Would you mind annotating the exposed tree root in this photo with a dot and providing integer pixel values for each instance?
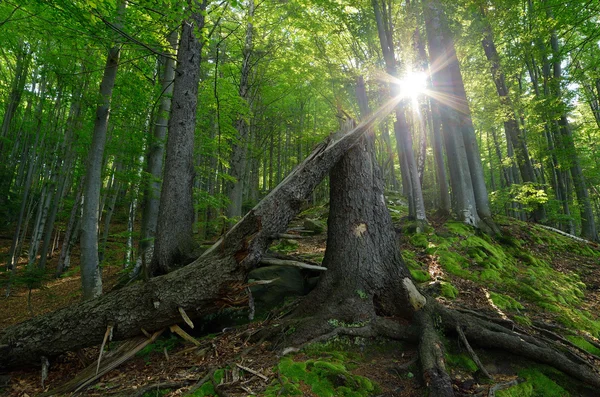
(425, 328)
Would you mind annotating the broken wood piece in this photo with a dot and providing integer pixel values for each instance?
(284, 262)
(146, 333)
(185, 317)
(45, 367)
(253, 372)
(107, 334)
(113, 359)
(177, 329)
(472, 353)
(290, 236)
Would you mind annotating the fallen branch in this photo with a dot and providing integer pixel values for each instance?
(472, 353)
(579, 239)
(283, 262)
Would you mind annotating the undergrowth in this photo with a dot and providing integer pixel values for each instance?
(517, 276)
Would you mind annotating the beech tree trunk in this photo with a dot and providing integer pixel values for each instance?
(469, 194)
(91, 278)
(411, 184)
(513, 132)
(239, 150)
(154, 159)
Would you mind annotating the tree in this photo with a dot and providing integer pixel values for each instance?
(469, 193)
(174, 242)
(91, 277)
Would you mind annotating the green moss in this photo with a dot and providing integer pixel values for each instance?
(522, 320)
(462, 361)
(454, 263)
(285, 246)
(459, 228)
(584, 344)
(537, 385)
(419, 240)
(448, 290)
(326, 378)
(420, 276)
(505, 302)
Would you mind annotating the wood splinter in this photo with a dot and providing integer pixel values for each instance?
(177, 329)
(185, 317)
(107, 335)
(472, 353)
(253, 372)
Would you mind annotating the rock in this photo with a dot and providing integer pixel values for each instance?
(314, 225)
(289, 281)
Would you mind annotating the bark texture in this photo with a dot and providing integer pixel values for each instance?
(174, 243)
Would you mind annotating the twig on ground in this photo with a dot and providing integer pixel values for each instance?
(472, 353)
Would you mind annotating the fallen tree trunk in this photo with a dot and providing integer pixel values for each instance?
(213, 281)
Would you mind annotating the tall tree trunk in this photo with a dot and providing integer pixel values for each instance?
(469, 193)
(13, 252)
(239, 150)
(174, 231)
(154, 159)
(91, 278)
(410, 176)
(588, 224)
(513, 132)
(440, 166)
(16, 91)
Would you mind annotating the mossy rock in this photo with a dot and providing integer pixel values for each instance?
(314, 225)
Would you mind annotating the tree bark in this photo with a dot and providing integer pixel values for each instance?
(174, 242)
(91, 278)
(154, 159)
(239, 149)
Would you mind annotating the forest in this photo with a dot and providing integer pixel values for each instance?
(300, 197)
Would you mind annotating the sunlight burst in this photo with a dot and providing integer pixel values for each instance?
(412, 85)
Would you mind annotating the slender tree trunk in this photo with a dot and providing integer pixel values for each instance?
(588, 225)
(91, 279)
(440, 166)
(410, 176)
(16, 92)
(13, 252)
(154, 159)
(514, 133)
(239, 150)
(469, 193)
(174, 232)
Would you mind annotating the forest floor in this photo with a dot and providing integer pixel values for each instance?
(540, 281)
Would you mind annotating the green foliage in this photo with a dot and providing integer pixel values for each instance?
(158, 347)
(285, 246)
